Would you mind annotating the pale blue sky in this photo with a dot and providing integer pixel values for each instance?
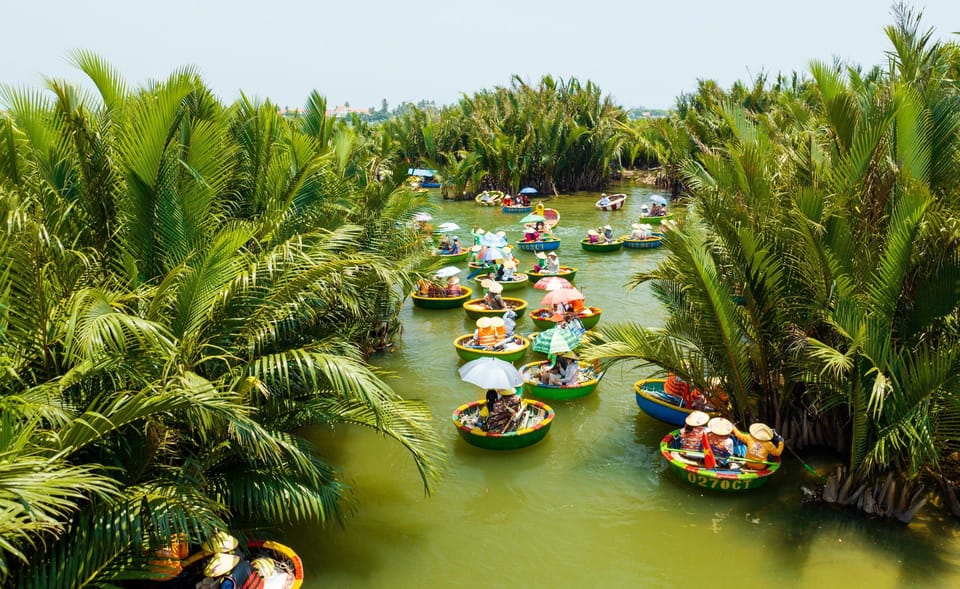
(642, 53)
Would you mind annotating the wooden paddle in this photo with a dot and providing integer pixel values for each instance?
(699, 454)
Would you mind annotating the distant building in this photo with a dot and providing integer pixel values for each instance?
(342, 111)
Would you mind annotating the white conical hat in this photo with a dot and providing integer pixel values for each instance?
(496, 288)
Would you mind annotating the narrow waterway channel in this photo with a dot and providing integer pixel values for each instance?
(592, 505)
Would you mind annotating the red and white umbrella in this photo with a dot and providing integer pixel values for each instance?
(550, 283)
(561, 295)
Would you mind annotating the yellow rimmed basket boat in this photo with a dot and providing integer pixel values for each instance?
(684, 465)
(519, 281)
(476, 309)
(442, 302)
(511, 352)
(532, 387)
(489, 198)
(534, 424)
(612, 246)
(565, 272)
(543, 318)
(450, 258)
(287, 567)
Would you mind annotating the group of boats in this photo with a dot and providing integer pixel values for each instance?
(654, 397)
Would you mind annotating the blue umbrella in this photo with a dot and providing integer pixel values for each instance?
(658, 199)
(528, 190)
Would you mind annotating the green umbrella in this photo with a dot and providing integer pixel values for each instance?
(533, 218)
(556, 340)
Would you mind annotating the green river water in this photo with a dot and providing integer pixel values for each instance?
(592, 505)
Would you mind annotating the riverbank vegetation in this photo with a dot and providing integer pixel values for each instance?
(815, 283)
(185, 285)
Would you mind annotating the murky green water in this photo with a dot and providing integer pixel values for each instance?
(592, 505)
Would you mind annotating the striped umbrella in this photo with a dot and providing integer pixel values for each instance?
(556, 340)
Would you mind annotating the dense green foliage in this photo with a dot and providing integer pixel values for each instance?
(555, 136)
(816, 279)
(184, 285)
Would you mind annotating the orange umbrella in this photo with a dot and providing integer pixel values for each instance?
(561, 295)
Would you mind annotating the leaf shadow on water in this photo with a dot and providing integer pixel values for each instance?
(918, 548)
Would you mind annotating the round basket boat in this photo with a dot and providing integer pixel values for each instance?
(535, 422)
(476, 309)
(533, 388)
(519, 281)
(493, 198)
(517, 208)
(615, 202)
(450, 258)
(589, 317)
(643, 244)
(442, 302)
(551, 217)
(544, 245)
(601, 247)
(514, 353)
(685, 466)
(659, 404)
(659, 219)
(565, 272)
(287, 572)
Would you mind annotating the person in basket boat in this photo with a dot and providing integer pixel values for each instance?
(508, 269)
(638, 233)
(541, 228)
(593, 236)
(453, 287)
(539, 209)
(510, 322)
(604, 199)
(507, 201)
(608, 234)
(444, 247)
(225, 569)
(553, 263)
(493, 299)
(505, 412)
(541, 266)
(691, 435)
(455, 245)
(530, 234)
(721, 442)
(762, 441)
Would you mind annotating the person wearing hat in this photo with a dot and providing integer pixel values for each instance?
(455, 245)
(637, 232)
(593, 236)
(718, 435)
(569, 370)
(493, 299)
(553, 263)
(508, 267)
(229, 569)
(607, 233)
(604, 199)
(504, 412)
(762, 441)
(453, 287)
(691, 434)
(539, 267)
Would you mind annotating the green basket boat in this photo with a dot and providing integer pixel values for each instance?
(520, 281)
(533, 388)
(730, 481)
(589, 317)
(476, 309)
(565, 272)
(442, 302)
(450, 258)
(601, 247)
(535, 422)
(513, 354)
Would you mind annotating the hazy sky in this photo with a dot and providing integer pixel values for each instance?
(641, 53)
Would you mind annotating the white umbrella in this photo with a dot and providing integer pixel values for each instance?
(490, 254)
(446, 227)
(447, 272)
(491, 373)
(658, 199)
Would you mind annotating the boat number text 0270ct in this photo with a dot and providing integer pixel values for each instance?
(702, 481)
